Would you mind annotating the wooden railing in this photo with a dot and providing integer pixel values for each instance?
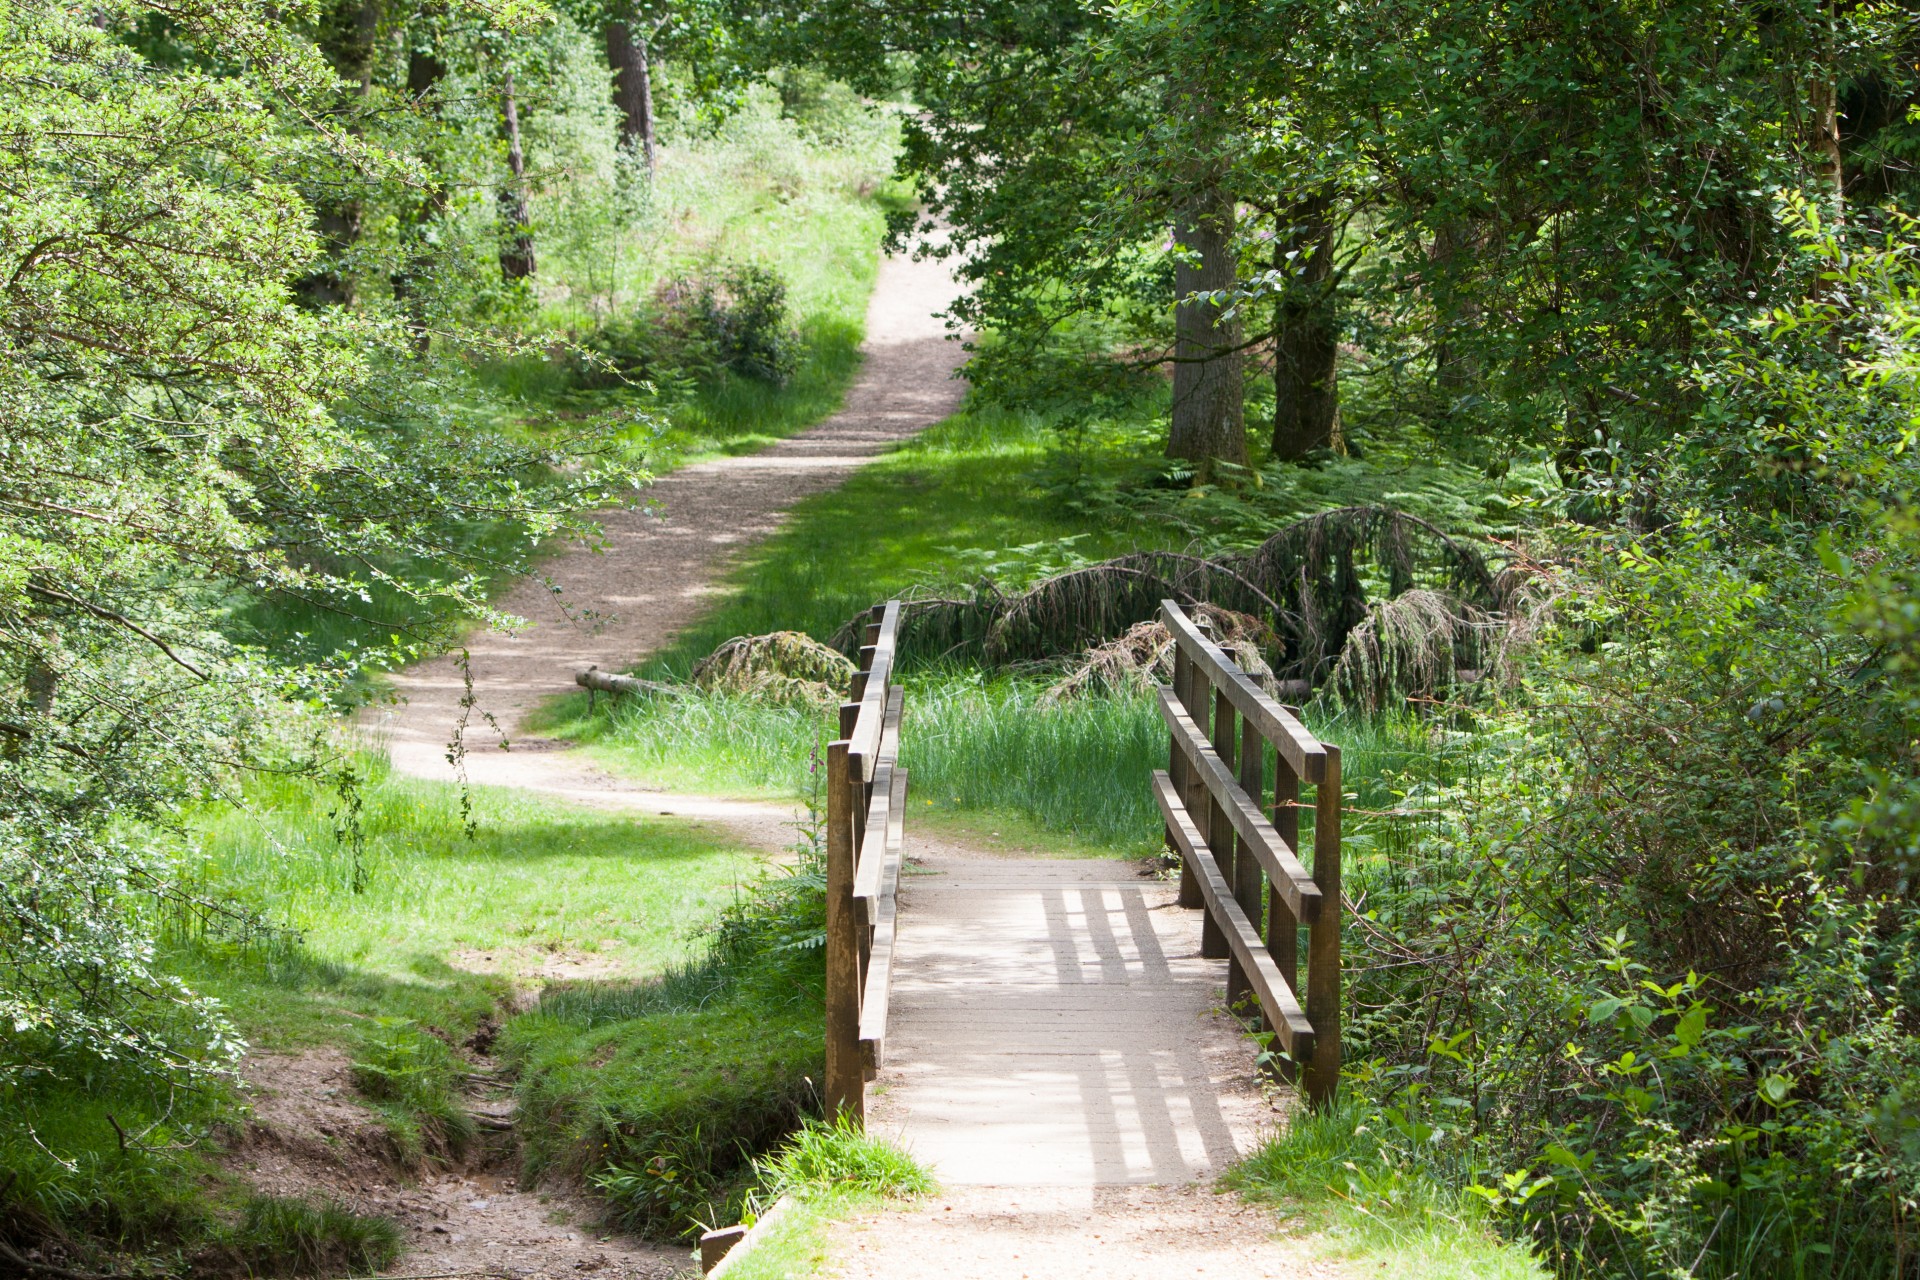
(866, 805)
(1239, 865)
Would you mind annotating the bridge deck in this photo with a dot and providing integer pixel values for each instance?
(1053, 1024)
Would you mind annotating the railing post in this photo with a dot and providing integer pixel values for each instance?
(846, 1091)
(1179, 773)
(1198, 802)
(1221, 837)
(1283, 931)
(1323, 939)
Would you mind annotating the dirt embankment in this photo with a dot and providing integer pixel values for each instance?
(310, 1136)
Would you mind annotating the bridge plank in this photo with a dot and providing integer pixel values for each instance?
(1276, 997)
(878, 992)
(881, 813)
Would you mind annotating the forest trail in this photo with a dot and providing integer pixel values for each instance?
(657, 572)
(660, 562)
(1060, 1056)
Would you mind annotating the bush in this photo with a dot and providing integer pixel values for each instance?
(1655, 980)
(731, 319)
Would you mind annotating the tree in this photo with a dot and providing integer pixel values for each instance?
(177, 430)
(627, 55)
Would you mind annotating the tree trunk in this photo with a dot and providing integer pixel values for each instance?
(516, 250)
(1306, 390)
(347, 39)
(632, 89)
(425, 71)
(1209, 412)
(1829, 166)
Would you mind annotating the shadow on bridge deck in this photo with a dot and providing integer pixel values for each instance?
(1053, 1024)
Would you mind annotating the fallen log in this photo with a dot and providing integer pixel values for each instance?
(594, 679)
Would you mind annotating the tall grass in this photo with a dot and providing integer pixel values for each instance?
(1077, 768)
(979, 745)
(385, 881)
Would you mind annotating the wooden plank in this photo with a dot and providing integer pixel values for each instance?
(1283, 929)
(1277, 859)
(1198, 704)
(846, 1086)
(874, 701)
(1177, 769)
(1221, 837)
(1292, 739)
(1291, 1025)
(1248, 876)
(866, 881)
(1322, 1076)
(879, 982)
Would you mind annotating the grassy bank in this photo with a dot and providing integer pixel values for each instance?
(374, 925)
(1334, 1173)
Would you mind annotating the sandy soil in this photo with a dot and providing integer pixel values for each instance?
(1071, 1233)
(310, 1136)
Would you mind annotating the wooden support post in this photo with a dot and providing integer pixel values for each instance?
(1181, 775)
(1323, 940)
(1220, 834)
(846, 1091)
(1198, 802)
(1283, 931)
(1247, 879)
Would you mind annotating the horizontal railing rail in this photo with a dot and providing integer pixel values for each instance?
(1241, 860)
(866, 842)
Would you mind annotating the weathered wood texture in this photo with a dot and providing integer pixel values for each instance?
(865, 838)
(1054, 1025)
(1220, 725)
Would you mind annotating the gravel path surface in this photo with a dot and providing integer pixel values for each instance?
(660, 562)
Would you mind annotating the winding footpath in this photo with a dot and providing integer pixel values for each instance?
(1057, 1054)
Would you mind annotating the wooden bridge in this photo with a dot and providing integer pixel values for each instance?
(1066, 1022)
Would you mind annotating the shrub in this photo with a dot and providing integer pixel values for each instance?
(730, 319)
(1656, 978)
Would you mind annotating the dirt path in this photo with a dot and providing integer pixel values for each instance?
(310, 1135)
(1076, 1233)
(661, 561)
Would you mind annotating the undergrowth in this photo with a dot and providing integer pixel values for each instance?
(662, 1095)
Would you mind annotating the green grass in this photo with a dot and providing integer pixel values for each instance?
(396, 948)
(1334, 1172)
(417, 905)
(662, 1095)
(797, 1244)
